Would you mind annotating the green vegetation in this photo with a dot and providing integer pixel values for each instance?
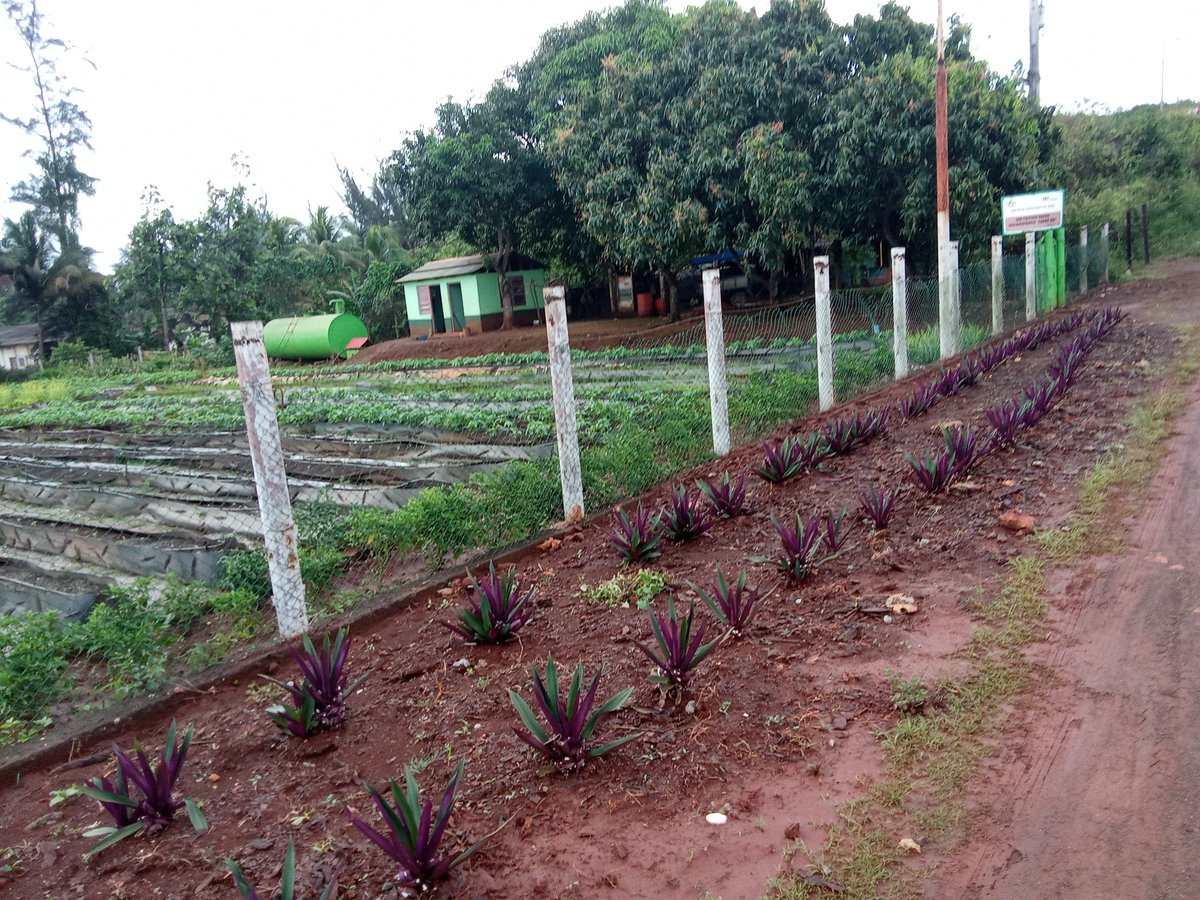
(1110, 163)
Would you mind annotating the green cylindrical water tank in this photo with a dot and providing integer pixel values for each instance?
(313, 337)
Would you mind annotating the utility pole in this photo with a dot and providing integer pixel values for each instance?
(948, 327)
(1036, 16)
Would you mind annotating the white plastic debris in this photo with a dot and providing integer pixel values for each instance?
(716, 818)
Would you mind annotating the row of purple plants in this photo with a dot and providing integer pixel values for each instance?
(964, 448)
(143, 798)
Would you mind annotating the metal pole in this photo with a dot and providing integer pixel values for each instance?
(1083, 259)
(1146, 233)
(899, 312)
(824, 334)
(714, 339)
(1128, 240)
(1036, 11)
(997, 284)
(1104, 252)
(270, 479)
(1030, 276)
(946, 313)
(563, 386)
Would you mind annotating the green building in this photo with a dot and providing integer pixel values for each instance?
(463, 292)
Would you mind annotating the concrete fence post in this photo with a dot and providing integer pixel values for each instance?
(1083, 259)
(563, 385)
(824, 334)
(1104, 253)
(1030, 276)
(997, 284)
(899, 312)
(270, 479)
(714, 339)
(948, 313)
(955, 297)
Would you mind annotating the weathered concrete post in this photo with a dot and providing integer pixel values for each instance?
(714, 339)
(824, 334)
(1104, 252)
(270, 479)
(955, 297)
(1083, 259)
(899, 313)
(563, 385)
(1030, 276)
(997, 284)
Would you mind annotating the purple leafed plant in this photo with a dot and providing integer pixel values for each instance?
(726, 499)
(919, 401)
(734, 605)
(966, 448)
(567, 742)
(990, 357)
(156, 784)
(800, 544)
(933, 472)
(783, 460)
(319, 698)
(874, 423)
(499, 608)
(969, 372)
(413, 836)
(680, 644)
(1006, 420)
(636, 539)
(685, 517)
(877, 505)
(947, 382)
(834, 530)
(843, 435)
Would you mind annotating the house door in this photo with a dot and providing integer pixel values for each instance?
(435, 305)
(457, 316)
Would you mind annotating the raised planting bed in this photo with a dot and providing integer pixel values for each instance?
(774, 727)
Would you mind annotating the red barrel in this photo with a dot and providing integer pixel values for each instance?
(645, 304)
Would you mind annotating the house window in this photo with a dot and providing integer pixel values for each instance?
(516, 289)
(424, 304)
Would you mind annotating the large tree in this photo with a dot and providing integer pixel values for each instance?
(59, 124)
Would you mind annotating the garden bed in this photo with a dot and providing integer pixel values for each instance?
(780, 726)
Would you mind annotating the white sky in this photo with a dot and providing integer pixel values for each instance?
(294, 86)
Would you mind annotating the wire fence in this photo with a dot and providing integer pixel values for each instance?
(141, 494)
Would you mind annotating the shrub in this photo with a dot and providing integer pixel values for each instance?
(33, 663)
(800, 544)
(498, 609)
(320, 697)
(877, 505)
(680, 643)
(726, 499)
(733, 605)
(685, 517)
(636, 539)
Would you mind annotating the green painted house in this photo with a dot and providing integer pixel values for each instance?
(464, 293)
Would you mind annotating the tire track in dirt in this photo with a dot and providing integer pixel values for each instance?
(1102, 798)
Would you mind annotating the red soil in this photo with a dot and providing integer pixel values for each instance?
(783, 722)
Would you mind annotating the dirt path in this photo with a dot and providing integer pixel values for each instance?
(1097, 794)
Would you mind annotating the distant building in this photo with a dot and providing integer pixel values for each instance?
(18, 347)
(463, 292)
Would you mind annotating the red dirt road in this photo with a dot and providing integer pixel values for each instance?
(1097, 793)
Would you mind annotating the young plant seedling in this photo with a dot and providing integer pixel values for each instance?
(734, 605)
(636, 539)
(681, 646)
(498, 609)
(287, 880)
(568, 740)
(156, 784)
(319, 698)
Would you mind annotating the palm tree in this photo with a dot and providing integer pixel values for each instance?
(39, 277)
(325, 236)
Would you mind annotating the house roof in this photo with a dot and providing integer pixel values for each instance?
(466, 265)
(18, 335)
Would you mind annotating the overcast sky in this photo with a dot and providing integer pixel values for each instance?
(296, 87)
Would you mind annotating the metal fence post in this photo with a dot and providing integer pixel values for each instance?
(714, 339)
(997, 284)
(824, 334)
(270, 479)
(563, 386)
(1083, 259)
(899, 313)
(1030, 276)
(1104, 252)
